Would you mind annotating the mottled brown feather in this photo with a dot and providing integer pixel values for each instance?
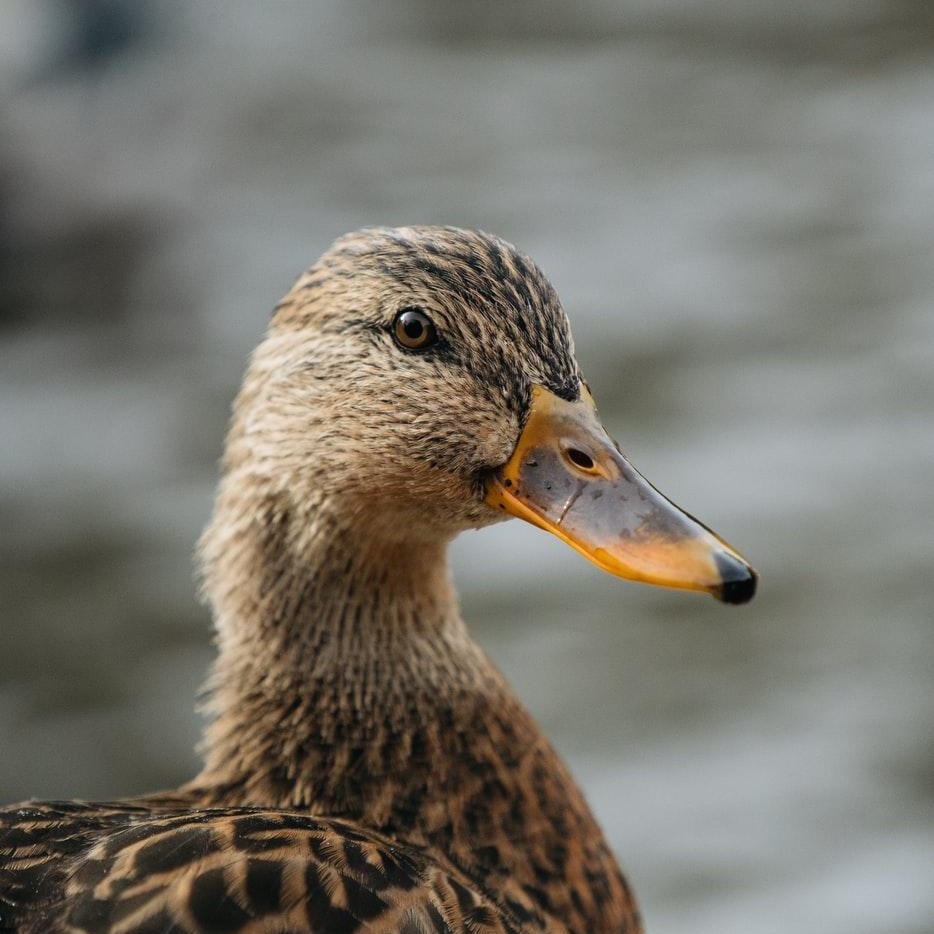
(367, 767)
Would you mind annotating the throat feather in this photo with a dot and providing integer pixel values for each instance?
(348, 686)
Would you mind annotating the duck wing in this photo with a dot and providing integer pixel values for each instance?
(123, 869)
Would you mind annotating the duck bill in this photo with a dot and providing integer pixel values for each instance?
(569, 477)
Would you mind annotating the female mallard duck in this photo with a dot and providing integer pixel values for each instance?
(368, 768)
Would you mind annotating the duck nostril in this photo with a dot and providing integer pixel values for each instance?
(580, 459)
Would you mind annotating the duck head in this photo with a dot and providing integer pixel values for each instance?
(419, 381)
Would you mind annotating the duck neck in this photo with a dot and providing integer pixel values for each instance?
(330, 643)
(346, 684)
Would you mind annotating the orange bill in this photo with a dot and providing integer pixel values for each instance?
(567, 476)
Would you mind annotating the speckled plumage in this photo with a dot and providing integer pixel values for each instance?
(367, 767)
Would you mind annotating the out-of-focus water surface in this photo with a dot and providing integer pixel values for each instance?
(735, 199)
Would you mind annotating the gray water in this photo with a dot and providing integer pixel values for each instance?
(735, 199)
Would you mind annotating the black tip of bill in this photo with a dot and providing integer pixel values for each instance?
(738, 579)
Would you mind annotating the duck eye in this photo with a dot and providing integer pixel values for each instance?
(413, 329)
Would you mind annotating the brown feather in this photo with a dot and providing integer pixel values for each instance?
(367, 767)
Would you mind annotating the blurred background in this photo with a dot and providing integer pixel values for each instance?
(735, 199)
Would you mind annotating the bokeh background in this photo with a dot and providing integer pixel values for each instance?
(735, 199)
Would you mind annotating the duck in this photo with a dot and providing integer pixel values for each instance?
(367, 768)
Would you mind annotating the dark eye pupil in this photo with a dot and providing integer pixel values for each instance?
(412, 326)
